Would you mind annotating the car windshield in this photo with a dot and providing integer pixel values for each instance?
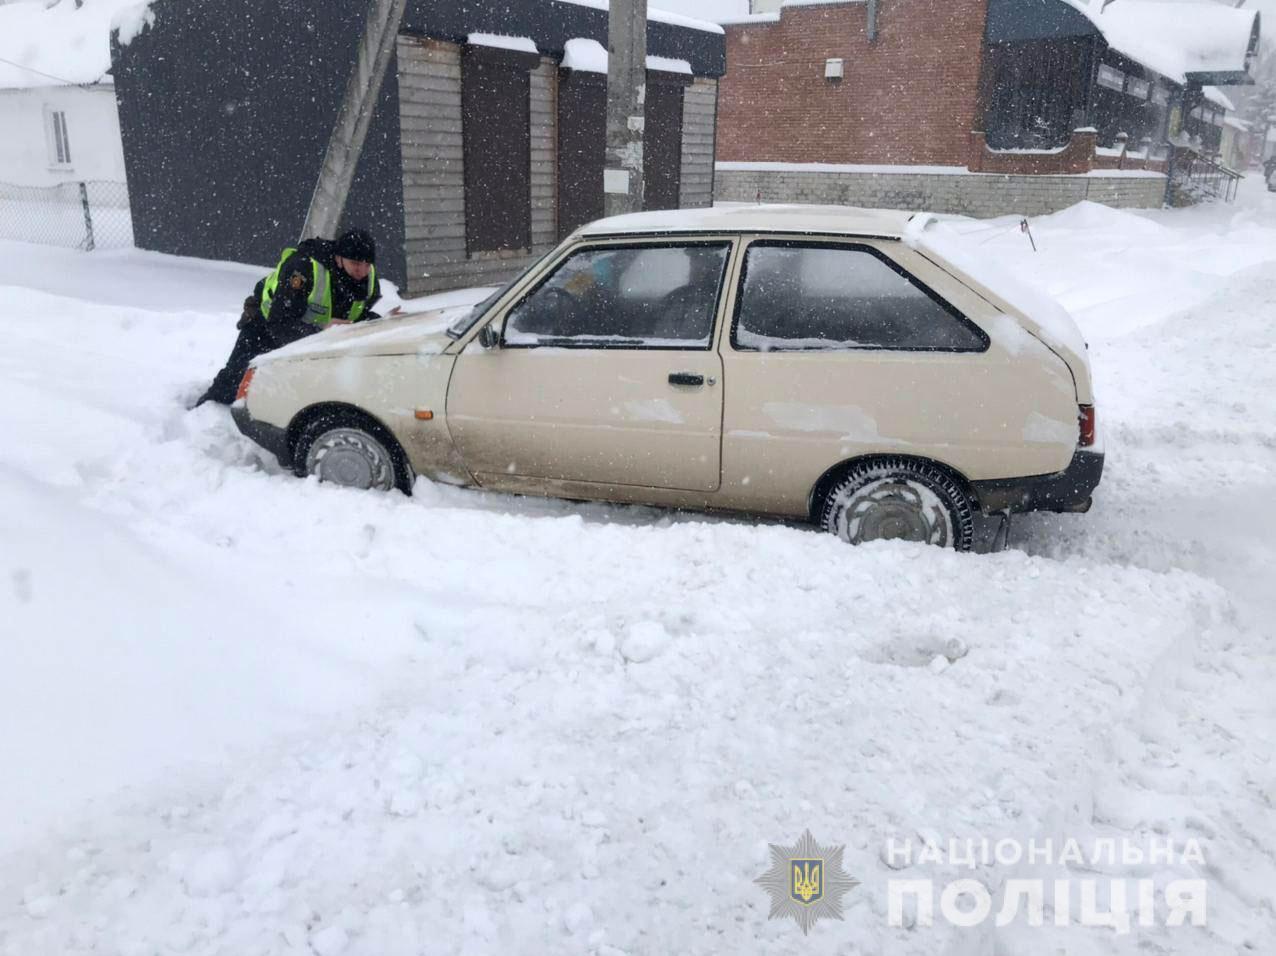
(466, 322)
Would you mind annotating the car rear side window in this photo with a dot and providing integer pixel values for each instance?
(647, 296)
(811, 297)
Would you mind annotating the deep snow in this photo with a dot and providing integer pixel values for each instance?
(247, 714)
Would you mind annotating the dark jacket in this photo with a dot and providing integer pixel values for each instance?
(296, 276)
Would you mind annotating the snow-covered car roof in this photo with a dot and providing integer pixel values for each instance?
(794, 218)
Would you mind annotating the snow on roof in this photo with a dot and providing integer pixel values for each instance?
(62, 44)
(589, 56)
(668, 64)
(713, 10)
(746, 18)
(1218, 98)
(1174, 38)
(797, 218)
(660, 16)
(501, 41)
(774, 15)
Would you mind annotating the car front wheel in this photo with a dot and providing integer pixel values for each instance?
(899, 500)
(351, 455)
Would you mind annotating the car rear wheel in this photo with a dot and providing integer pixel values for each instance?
(352, 454)
(899, 500)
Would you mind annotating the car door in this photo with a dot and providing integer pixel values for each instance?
(604, 372)
(845, 348)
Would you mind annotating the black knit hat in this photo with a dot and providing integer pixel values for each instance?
(357, 244)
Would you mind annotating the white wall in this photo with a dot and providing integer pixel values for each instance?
(93, 129)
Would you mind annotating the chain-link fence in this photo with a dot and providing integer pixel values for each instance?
(90, 215)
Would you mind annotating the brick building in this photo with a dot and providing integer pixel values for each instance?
(975, 106)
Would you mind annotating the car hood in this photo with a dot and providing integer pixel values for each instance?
(423, 333)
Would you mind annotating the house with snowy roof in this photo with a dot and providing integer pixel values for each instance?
(57, 95)
(975, 106)
(485, 148)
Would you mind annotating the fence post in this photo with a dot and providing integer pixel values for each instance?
(88, 217)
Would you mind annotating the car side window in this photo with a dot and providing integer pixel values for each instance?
(662, 296)
(811, 297)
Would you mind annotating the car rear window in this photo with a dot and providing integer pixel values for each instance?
(810, 297)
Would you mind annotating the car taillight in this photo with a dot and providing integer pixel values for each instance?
(1086, 417)
(242, 392)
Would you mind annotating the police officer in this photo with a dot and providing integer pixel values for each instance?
(319, 283)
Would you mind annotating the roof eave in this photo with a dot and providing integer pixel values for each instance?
(1221, 78)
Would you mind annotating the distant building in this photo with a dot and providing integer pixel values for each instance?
(898, 103)
(486, 146)
(57, 97)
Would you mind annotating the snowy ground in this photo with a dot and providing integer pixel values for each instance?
(243, 713)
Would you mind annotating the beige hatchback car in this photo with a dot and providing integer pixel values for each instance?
(823, 363)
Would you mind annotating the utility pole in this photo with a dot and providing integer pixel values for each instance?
(381, 28)
(626, 105)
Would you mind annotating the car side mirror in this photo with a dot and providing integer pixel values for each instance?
(488, 337)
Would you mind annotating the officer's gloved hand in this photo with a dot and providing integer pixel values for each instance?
(252, 309)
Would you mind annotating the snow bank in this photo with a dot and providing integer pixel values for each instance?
(1119, 270)
(940, 240)
(121, 659)
(262, 715)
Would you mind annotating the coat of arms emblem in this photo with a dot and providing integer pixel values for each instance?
(806, 882)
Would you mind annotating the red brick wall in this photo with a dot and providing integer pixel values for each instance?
(910, 98)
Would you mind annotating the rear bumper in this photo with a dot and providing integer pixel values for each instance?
(1069, 490)
(269, 437)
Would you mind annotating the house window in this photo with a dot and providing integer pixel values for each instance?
(59, 142)
(1139, 89)
(1111, 78)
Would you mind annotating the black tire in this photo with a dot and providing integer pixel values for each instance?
(899, 499)
(351, 450)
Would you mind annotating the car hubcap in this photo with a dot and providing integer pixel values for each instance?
(894, 509)
(352, 459)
